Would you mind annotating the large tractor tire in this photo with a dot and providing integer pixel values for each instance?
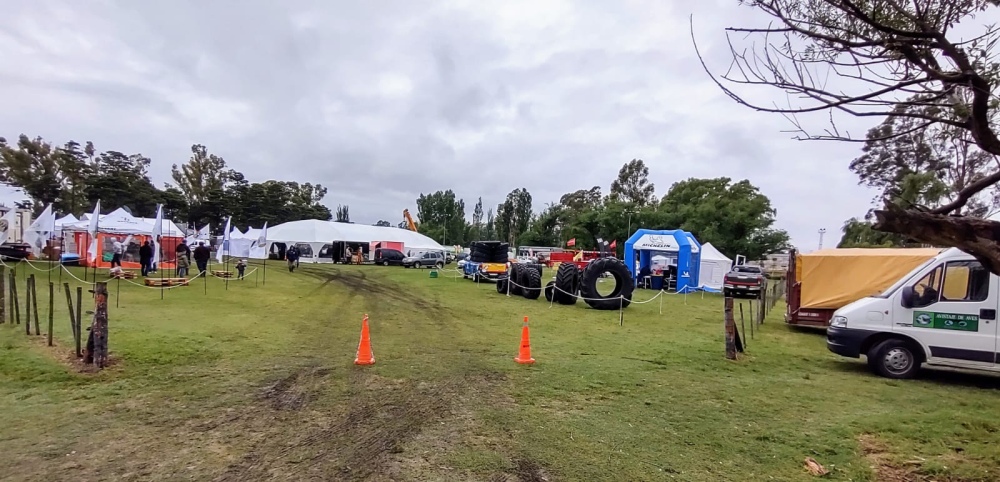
(532, 279)
(514, 278)
(502, 286)
(567, 279)
(550, 291)
(620, 297)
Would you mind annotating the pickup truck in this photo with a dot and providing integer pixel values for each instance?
(744, 282)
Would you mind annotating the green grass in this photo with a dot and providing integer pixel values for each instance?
(257, 382)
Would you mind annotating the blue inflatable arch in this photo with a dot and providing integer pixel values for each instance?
(648, 242)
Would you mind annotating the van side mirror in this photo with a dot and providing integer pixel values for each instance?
(906, 297)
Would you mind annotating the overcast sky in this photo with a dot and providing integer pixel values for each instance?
(381, 101)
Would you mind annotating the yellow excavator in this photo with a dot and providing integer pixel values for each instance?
(409, 220)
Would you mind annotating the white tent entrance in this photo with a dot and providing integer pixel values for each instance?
(714, 266)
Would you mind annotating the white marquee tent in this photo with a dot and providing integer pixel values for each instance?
(713, 268)
(318, 234)
(120, 221)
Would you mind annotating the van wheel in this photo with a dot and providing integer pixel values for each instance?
(894, 358)
(385, 263)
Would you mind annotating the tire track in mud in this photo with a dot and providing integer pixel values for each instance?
(364, 437)
(358, 443)
(358, 283)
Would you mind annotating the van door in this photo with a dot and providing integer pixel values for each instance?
(954, 313)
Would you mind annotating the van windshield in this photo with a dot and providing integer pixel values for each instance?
(905, 279)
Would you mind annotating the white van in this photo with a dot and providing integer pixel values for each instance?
(943, 313)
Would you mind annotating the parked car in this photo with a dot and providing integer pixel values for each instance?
(744, 282)
(427, 259)
(388, 257)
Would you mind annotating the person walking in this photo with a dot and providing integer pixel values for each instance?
(146, 258)
(292, 255)
(183, 262)
(201, 256)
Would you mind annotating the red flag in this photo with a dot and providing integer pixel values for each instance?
(571, 242)
(613, 244)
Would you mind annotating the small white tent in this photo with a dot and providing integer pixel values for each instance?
(713, 268)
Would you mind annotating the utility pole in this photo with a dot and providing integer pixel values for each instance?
(822, 231)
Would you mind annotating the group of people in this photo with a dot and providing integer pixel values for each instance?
(201, 256)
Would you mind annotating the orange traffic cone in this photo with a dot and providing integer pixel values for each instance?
(524, 355)
(365, 355)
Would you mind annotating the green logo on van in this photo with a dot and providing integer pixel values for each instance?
(945, 321)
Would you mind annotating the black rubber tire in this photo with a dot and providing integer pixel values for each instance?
(623, 284)
(895, 358)
(502, 286)
(522, 279)
(567, 278)
(439, 265)
(550, 290)
(533, 281)
(514, 277)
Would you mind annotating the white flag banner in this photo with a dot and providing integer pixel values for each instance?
(225, 241)
(7, 225)
(92, 231)
(262, 240)
(157, 235)
(40, 230)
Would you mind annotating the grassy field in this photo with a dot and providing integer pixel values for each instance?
(257, 383)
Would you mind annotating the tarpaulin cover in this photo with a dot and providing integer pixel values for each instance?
(832, 278)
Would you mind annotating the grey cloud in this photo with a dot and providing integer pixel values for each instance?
(382, 101)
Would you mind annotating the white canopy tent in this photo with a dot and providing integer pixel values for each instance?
(65, 220)
(320, 235)
(120, 221)
(713, 268)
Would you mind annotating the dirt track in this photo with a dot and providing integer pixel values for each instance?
(367, 436)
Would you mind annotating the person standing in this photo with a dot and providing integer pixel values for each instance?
(117, 249)
(146, 258)
(201, 256)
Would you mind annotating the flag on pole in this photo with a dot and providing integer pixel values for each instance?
(614, 244)
(92, 231)
(38, 233)
(7, 223)
(157, 234)
(225, 241)
(262, 240)
(571, 242)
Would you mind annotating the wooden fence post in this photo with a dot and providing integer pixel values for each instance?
(34, 305)
(13, 297)
(52, 296)
(79, 315)
(72, 319)
(3, 294)
(99, 327)
(27, 304)
(730, 326)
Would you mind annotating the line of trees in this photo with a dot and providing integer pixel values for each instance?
(734, 216)
(73, 176)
